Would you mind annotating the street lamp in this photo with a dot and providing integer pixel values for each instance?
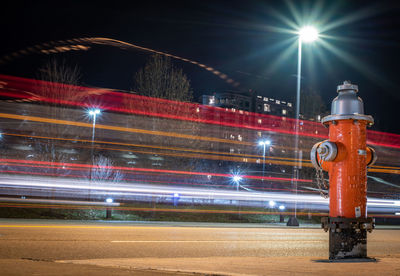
(305, 34)
(93, 112)
(264, 143)
(237, 179)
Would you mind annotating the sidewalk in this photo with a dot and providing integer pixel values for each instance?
(251, 265)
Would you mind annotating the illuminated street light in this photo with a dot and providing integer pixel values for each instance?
(237, 179)
(175, 199)
(306, 34)
(271, 203)
(93, 112)
(282, 207)
(109, 200)
(264, 143)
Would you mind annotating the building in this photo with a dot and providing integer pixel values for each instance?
(249, 101)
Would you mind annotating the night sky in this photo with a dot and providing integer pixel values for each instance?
(251, 41)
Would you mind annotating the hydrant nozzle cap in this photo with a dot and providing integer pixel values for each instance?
(347, 86)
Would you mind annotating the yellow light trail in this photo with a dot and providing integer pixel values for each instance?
(142, 209)
(211, 155)
(123, 129)
(154, 147)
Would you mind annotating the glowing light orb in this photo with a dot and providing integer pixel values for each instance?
(308, 34)
(94, 111)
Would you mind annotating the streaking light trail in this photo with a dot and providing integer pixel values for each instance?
(148, 190)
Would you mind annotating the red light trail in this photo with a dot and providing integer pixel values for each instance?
(28, 90)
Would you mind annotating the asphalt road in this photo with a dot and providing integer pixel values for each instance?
(110, 248)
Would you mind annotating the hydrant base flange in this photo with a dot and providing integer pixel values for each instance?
(347, 236)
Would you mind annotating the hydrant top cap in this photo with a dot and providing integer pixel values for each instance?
(347, 86)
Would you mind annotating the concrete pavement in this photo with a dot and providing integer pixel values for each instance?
(45, 247)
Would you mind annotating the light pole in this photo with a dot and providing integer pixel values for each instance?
(264, 143)
(306, 34)
(93, 112)
(237, 179)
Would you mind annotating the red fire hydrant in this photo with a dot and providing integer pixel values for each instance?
(345, 156)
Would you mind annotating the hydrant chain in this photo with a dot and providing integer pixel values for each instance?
(321, 181)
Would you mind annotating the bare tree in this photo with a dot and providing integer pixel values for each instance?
(57, 86)
(165, 88)
(61, 81)
(312, 104)
(103, 170)
(160, 79)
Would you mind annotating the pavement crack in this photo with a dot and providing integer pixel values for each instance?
(37, 260)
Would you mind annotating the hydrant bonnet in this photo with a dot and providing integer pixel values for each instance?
(347, 105)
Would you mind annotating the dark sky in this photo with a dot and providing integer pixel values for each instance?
(360, 42)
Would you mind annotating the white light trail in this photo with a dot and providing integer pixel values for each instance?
(167, 191)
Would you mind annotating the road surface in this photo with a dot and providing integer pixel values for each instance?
(111, 248)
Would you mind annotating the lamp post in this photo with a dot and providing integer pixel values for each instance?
(306, 34)
(94, 113)
(237, 179)
(264, 143)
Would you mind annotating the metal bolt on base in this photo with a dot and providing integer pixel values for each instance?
(347, 236)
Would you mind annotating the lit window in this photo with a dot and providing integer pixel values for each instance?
(211, 101)
(271, 99)
(289, 104)
(278, 101)
(284, 112)
(240, 137)
(197, 109)
(283, 102)
(231, 150)
(265, 99)
(260, 97)
(259, 133)
(267, 108)
(259, 121)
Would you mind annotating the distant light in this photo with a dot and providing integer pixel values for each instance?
(282, 207)
(237, 178)
(176, 195)
(272, 203)
(94, 111)
(397, 214)
(308, 34)
(109, 200)
(264, 142)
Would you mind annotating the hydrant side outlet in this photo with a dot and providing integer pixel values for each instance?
(347, 222)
